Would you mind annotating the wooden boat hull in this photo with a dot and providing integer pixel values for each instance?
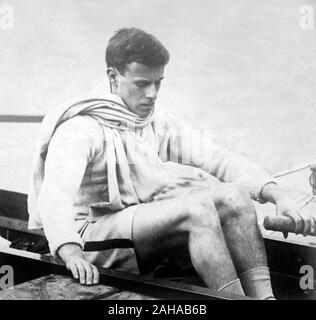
(285, 259)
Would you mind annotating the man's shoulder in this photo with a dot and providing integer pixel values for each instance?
(80, 127)
(81, 123)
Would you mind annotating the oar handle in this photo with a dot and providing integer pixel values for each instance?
(281, 223)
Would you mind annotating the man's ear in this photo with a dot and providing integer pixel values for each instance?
(112, 75)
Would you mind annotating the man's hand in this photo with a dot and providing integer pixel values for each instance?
(304, 222)
(80, 268)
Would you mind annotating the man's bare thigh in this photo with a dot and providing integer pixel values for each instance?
(159, 226)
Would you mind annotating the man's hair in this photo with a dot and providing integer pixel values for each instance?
(135, 45)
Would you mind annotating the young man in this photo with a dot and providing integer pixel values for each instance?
(114, 171)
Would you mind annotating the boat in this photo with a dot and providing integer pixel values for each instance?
(38, 275)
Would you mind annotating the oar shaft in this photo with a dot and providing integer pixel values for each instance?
(282, 224)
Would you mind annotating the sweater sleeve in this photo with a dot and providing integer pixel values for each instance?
(232, 167)
(193, 146)
(70, 150)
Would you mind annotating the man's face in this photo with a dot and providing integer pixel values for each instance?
(139, 87)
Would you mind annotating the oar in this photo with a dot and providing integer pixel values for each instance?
(282, 224)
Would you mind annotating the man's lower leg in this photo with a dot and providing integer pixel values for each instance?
(247, 249)
(211, 259)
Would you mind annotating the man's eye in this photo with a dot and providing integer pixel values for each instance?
(141, 84)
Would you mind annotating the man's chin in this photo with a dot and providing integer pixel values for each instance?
(144, 111)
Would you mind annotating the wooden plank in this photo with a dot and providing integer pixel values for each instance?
(61, 287)
(156, 288)
(19, 225)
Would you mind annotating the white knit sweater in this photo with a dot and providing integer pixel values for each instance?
(79, 166)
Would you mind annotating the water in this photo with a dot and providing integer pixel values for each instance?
(244, 69)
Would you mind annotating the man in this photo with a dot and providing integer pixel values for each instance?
(114, 171)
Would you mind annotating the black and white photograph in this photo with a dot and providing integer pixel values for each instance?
(155, 151)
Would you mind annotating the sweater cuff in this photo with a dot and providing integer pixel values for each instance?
(55, 245)
(258, 195)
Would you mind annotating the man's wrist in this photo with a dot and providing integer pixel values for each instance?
(271, 192)
(68, 250)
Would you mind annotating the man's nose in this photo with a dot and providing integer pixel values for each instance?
(151, 92)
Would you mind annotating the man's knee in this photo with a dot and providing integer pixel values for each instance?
(200, 211)
(235, 202)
